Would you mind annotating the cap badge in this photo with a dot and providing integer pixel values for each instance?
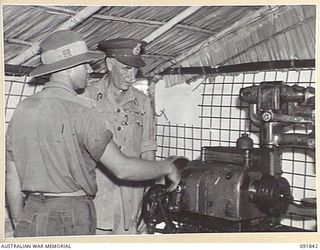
(66, 53)
(99, 97)
(136, 50)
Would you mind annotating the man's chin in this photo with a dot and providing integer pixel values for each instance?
(125, 88)
(80, 91)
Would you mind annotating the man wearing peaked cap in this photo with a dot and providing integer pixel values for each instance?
(53, 143)
(126, 51)
(130, 115)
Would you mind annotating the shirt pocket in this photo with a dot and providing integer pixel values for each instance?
(137, 129)
(59, 129)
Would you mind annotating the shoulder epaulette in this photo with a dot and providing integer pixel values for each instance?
(87, 102)
(139, 92)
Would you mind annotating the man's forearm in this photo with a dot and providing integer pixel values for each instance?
(13, 191)
(140, 170)
(151, 155)
(133, 169)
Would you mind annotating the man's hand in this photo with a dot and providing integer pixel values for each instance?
(174, 177)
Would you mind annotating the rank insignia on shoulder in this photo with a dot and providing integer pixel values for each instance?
(135, 101)
(99, 97)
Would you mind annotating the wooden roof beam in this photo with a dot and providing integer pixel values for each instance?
(242, 67)
(25, 43)
(171, 23)
(64, 11)
(69, 24)
(195, 49)
(17, 70)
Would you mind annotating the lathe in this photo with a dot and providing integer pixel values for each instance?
(239, 189)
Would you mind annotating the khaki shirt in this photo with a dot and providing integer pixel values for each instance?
(133, 126)
(52, 137)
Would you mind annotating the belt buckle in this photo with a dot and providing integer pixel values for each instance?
(91, 197)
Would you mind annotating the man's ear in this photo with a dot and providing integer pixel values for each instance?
(109, 63)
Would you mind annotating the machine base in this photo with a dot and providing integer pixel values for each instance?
(188, 222)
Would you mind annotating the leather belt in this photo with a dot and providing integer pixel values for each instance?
(76, 193)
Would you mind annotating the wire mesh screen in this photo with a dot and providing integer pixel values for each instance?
(16, 89)
(221, 120)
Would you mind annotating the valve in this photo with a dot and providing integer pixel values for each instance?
(245, 142)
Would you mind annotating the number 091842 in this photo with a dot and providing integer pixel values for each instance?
(308, 246)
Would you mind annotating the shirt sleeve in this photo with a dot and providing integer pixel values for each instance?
(148, 135)
(96, 134)
(9, 146)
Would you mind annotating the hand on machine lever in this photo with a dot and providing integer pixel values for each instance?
(154, 203)
(155, 208)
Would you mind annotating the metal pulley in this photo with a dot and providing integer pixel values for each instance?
(271, 194)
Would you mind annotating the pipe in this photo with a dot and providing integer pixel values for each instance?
(292, 93)
(297, 140)
(274, 117)
(302, 110)
(69, 24)
(164, 28)
(296, 93)
(254, 117)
